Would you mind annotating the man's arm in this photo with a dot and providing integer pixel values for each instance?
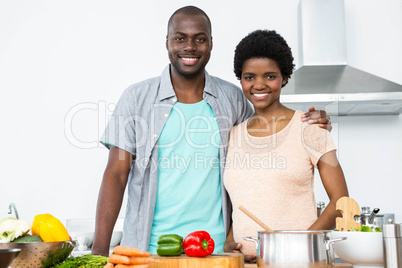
(319, 117)
(110, 198)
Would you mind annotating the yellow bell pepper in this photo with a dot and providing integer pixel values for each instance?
(49, 228)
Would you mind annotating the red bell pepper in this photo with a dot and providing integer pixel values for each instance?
(198, 244)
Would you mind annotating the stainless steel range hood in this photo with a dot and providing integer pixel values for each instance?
(325, 80)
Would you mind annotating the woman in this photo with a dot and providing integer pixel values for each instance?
(272, 155)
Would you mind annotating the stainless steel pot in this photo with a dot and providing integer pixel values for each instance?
(300, 249)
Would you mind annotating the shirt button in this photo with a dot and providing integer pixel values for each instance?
(155, 136)
(174, 100)
(166, 115)
(146, 159)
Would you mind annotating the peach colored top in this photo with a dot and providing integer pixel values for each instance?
(272, 177)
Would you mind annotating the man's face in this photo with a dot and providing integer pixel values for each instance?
(189, 44)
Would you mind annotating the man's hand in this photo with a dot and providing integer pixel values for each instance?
(319, 117)
(234, 247)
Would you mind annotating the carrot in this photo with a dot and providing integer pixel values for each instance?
(132, 252)
(119, 259)
(109, 265)
(140, 260)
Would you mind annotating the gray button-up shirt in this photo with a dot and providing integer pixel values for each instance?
(135, 126)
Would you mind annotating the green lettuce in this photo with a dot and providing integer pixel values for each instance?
(363, 228)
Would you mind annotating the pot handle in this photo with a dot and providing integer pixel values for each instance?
(329, 241)
(252, 239)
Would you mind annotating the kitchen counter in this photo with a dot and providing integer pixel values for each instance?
(215, 260)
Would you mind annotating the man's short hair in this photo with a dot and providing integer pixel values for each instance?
(191, 10)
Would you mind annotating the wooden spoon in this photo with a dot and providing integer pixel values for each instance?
(254, 218)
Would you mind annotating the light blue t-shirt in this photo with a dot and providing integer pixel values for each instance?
(189, 188)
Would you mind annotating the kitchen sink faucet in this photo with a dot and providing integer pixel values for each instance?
(12, 206)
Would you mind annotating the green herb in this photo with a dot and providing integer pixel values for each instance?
(363, 228)
(86, 261)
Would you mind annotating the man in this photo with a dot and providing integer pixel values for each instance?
(168, 137)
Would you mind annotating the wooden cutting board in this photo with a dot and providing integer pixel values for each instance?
(224, 260)
(349, 209)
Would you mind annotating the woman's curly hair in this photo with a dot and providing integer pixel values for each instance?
(264, 44)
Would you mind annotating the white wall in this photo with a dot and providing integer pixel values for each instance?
(64, 64)
(369, 150)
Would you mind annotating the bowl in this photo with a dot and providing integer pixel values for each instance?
(89, 235)
(116, 237)
(77, 236)
(7, 256)
(362, 249)
(39, 254)
(80, 228)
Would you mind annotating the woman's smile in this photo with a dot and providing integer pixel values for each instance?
(261, 96)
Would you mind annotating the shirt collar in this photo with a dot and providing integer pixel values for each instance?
(166, 89)
(210, 86)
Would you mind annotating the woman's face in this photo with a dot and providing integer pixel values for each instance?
(261, 81)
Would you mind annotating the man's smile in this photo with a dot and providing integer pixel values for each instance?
(189, 60)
